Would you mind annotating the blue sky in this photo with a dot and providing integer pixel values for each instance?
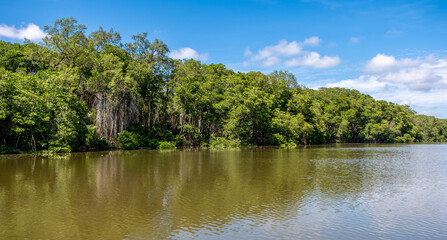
(392, 50)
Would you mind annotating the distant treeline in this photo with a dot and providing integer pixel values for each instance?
(77, 92)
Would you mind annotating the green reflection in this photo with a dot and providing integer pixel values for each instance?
(152, 194)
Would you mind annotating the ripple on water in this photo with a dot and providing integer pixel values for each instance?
(362, 192)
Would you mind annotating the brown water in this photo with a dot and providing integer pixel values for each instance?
(347, 192)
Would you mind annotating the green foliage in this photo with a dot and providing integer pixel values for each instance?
(224, 143)
(406, 138)
(165, 145)
(289, 145)
(8, 150)
(137, 137)
(37, 112)
(57, 147)
(128, 140)
(153, 143)
(93, 141)
(190, 134)
(277, 139)
(78, 91)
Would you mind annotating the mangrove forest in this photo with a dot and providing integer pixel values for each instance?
(76, 92)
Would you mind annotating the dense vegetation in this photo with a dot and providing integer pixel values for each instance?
(85, 92)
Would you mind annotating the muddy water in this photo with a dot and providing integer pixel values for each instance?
(326, 192)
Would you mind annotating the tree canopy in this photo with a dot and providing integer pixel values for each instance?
(83, 92)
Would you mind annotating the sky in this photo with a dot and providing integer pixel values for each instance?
(392, 50)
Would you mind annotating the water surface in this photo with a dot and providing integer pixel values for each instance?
(326, 192)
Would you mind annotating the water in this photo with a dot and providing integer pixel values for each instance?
(345, 192)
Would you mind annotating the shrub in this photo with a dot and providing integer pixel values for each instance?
(59, 149)
(168, 136)
(166, 146)
(222, 143)
(191, 134)
(8, 150)
(406, 138)
(128, 140)
(277, 139)
(93, 141)
(153, 143)
(155, 133)
(289, 145)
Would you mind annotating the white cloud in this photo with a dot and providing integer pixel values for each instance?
(283, 48)
(31, 32)
(382, 63)
(313, 59)
(419, 82)
(419, 79)
(290, 54)
(270, 61)
(417, 74)
(187, 53)
(363, 84)
(312, 41)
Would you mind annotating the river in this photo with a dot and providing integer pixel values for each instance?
(322, 192)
